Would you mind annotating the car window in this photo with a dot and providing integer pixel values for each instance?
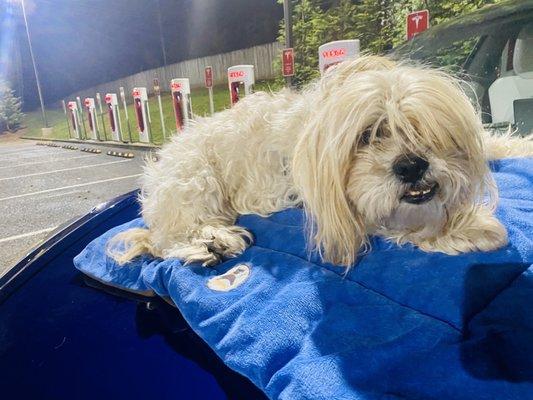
(454, 56)
(495, 61)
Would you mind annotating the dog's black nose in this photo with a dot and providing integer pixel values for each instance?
(410, 168)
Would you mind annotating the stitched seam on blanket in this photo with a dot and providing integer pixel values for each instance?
(451, 325)
(371, 290)
(490, 300)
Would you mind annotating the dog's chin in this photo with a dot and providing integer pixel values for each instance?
(420, 193)
(420, 212)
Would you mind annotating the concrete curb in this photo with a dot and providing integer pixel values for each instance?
(129, 146)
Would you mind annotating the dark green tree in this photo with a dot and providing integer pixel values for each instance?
(374, 25)
(310, 30)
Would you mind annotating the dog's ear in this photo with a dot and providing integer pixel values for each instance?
(325, 153)
(323, 157)
(334, 228)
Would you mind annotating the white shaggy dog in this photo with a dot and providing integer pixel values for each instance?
(373, 147)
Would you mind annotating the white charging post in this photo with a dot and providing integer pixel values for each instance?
(142, 113)
(240, 75)
(74, 118)
(113, 112)
(335, 52)
(181, 102)
(90, 106)
(99, 102)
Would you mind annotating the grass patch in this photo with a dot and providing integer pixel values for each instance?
(200, 104)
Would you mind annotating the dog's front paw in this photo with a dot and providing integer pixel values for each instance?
(208, 244)
(228, 241)
(491, 236)
(192, 253)
(477, 232)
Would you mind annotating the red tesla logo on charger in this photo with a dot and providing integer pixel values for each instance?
(108, 99)
(287, 59)
(208, 77)
(417, 22)
(334, 53)
(175, 86)
(236, 74)
(136, 93)
(87, 102)
(71, 106)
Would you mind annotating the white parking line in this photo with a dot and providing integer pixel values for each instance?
(48, 161)
(63, 170)
(50, 196)
(26, 150)
(25, 235)
(25, 157)
(18, 147)
(68, 187)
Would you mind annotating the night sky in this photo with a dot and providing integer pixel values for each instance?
(80, 43)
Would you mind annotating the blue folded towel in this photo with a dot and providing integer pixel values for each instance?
(402, 323)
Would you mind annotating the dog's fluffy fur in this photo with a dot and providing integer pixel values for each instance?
(332, 149)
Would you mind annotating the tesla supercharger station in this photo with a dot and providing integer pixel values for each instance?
(240, 76)
(142, 113)
(111, 101)
(181, 101)
(90, 106)
(74, 118)
(333, 53)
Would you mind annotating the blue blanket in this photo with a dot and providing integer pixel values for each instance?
(402, 324)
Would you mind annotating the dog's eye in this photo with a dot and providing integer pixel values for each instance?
(365, 138)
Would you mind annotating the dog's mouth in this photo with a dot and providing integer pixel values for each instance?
(420, 193)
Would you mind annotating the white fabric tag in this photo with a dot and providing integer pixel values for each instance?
(229, 280)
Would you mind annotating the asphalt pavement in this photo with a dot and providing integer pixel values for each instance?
(43, 187)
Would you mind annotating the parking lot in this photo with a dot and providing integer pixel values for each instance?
(43, 187)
